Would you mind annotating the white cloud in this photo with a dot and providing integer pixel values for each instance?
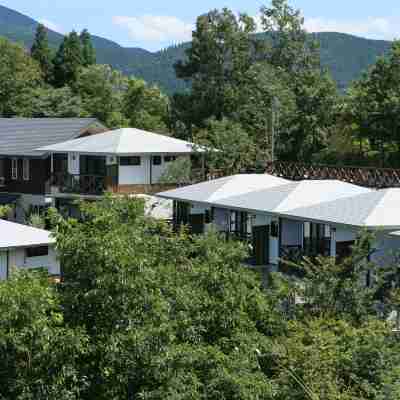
(372, 27)
(51, 25)
(155, 29)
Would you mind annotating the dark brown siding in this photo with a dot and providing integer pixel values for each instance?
(39, 173)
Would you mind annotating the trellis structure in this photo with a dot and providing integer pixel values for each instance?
(370, 177)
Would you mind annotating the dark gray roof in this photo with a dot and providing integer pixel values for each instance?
(21, 136)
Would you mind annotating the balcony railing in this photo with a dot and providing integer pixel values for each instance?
(94, 185)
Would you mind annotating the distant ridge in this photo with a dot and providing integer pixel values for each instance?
(346, 56)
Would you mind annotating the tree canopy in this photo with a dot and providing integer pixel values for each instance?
(144, 312)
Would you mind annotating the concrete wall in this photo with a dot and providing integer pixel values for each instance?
(17, 258)
(135, 174)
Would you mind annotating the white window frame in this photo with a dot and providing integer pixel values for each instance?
(14, 169)
(26, 169)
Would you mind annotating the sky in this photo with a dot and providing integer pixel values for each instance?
(155, 24)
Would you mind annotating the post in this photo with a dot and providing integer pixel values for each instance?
(203, 166)
(274, 124)
(51, 164)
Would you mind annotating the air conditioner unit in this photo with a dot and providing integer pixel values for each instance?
(111, 160)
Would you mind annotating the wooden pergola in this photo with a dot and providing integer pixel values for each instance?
(378, 178)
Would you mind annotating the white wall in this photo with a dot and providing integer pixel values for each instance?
(135, 174)
(17, 259)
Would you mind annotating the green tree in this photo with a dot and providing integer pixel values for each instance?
(41, 52)
(289, 45)
(229, 147)
(168, 315)
(373, 104)
(102, 91)
(145, 106)
(68, 60)
(39, 356)
(88, 51)
(315, 115)
(223, 48)
(292, 49)
(19, 73)
(267, 102)
(48, 102)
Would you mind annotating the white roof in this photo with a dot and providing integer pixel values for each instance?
(293, 195)
(325, 200)
(374, 209)
(214, 191)
(126, 141)
(14, 235)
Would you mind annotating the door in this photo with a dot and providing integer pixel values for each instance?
(260, 244)
(3, 266)
(73, 164)
(196, 222)
(274, 243)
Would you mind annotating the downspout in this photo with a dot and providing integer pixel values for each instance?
(151, 170)
(8, 264)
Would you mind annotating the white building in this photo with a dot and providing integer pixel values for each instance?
(129, 161)
(26, 247)
(284, 219)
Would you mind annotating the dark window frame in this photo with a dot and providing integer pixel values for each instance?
(168, 159)
(157, 160)
(40, 251)
(131, 161)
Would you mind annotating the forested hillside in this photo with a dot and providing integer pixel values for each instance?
(344, 55)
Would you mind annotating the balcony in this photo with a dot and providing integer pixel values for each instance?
(64, 183)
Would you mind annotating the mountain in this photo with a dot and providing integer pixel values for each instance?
(345, 56)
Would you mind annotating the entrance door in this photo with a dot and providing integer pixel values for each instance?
(274, 243)
(260, 244)
(3, 266)
(196, 222)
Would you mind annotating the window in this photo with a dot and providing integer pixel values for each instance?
(157, 160)
(274, 229)
(208, 217)
(25, 169)
(37, 251)
(129, 161)
(169, 158)
(14, 169)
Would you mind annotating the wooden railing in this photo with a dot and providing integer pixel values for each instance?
(94, 185)
(377, 178)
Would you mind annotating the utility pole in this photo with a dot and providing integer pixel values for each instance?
(274, 124)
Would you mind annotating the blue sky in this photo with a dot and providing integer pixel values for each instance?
(154, 24)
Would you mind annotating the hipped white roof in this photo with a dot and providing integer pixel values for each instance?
(212, 192)
(375, 209)
(126, 141)
(325, 201)
(14, 235)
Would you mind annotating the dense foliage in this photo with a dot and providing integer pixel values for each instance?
(147, 313)
(345, 56)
